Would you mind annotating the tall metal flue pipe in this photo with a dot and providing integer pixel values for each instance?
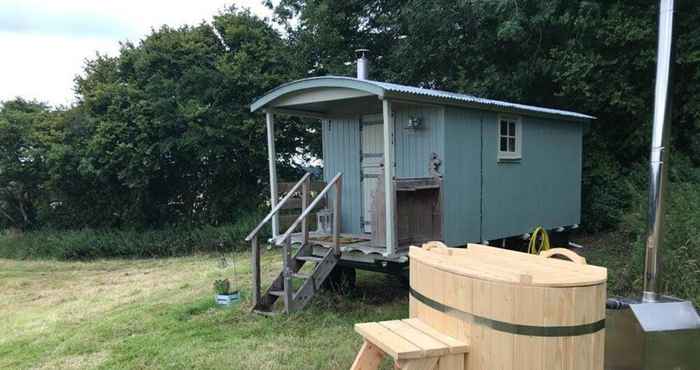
(658, 163)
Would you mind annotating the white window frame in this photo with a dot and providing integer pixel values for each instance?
(508, 155)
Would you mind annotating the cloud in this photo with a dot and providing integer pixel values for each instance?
(43, 67)
(45, 43)
(24, 19)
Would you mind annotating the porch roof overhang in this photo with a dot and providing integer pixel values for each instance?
(317, 95)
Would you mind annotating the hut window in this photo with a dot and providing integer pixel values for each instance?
(509, 137)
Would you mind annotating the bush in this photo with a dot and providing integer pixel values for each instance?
(607, 191)
(680, 251)
(90, 244)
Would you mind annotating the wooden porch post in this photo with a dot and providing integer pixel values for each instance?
(272, 159)
(256, 271)
(389, 187)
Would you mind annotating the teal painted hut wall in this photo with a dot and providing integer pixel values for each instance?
(413, 148)
(341, 153)
(482, 198)
(461, 198)
(543, 188)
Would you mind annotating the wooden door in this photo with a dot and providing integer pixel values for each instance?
(372, 159)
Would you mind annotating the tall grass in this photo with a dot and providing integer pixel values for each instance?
(680, 252)
(90, 244)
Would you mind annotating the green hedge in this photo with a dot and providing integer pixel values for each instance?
(91, 244)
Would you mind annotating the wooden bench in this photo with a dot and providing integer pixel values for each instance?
(411, 343)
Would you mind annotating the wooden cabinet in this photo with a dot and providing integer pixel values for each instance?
(418, 211)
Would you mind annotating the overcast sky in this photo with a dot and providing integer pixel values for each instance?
(44, 43)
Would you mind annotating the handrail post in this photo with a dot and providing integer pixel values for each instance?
(256, 271)
(287, 273)
(336, 215)
(276, 209)
(335, 182)
(272, 158)
(304, 204)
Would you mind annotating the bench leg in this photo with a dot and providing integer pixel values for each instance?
(451, 362)
(418, 364)
(368, 358)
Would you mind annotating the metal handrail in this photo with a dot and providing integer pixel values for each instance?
(308, 209)
(277, 208)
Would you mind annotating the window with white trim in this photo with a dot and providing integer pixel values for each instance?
(509, 137)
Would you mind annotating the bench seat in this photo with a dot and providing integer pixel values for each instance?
(411, 343)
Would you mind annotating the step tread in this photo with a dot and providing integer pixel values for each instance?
(266, 312)
(278, 293)
(310, 258)
(299, 275)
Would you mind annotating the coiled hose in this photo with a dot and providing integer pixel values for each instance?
(533, 247)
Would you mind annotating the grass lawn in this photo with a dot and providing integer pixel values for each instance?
(159, 313)
(136, 314)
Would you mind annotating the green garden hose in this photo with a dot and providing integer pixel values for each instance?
(534, 248)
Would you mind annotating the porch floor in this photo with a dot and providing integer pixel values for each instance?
(352, 244)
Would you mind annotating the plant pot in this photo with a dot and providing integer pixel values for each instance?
(227, 299)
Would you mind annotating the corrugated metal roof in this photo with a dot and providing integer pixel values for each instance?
(473, 99)
(381, 88)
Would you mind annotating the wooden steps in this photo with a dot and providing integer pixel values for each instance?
(282, 287)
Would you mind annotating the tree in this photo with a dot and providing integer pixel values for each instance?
(596, 57)
(168, 136)
(22, 161)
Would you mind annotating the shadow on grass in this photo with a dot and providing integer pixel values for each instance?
(377, 289)
(375, 297)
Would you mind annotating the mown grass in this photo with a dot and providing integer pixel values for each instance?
(159, 313)
(136, 314)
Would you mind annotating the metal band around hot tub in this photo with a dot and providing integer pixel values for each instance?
(506, 327)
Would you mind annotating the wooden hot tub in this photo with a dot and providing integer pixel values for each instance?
(516, 311)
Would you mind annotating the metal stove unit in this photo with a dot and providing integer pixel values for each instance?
(657, 335)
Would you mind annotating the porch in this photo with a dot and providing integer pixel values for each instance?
(353, 247)
(387, 150)
(366, 215)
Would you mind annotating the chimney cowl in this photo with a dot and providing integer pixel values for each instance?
(362, 64)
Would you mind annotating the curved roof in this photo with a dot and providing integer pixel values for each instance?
(385, 89)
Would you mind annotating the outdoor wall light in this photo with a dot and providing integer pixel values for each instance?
(414, 123)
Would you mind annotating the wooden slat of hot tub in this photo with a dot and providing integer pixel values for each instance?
(536, 260)
(512, 267)
(520, 258)
(528, 265)
(498, 270)
(529, 310)
(514, 259)
(468, 267)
